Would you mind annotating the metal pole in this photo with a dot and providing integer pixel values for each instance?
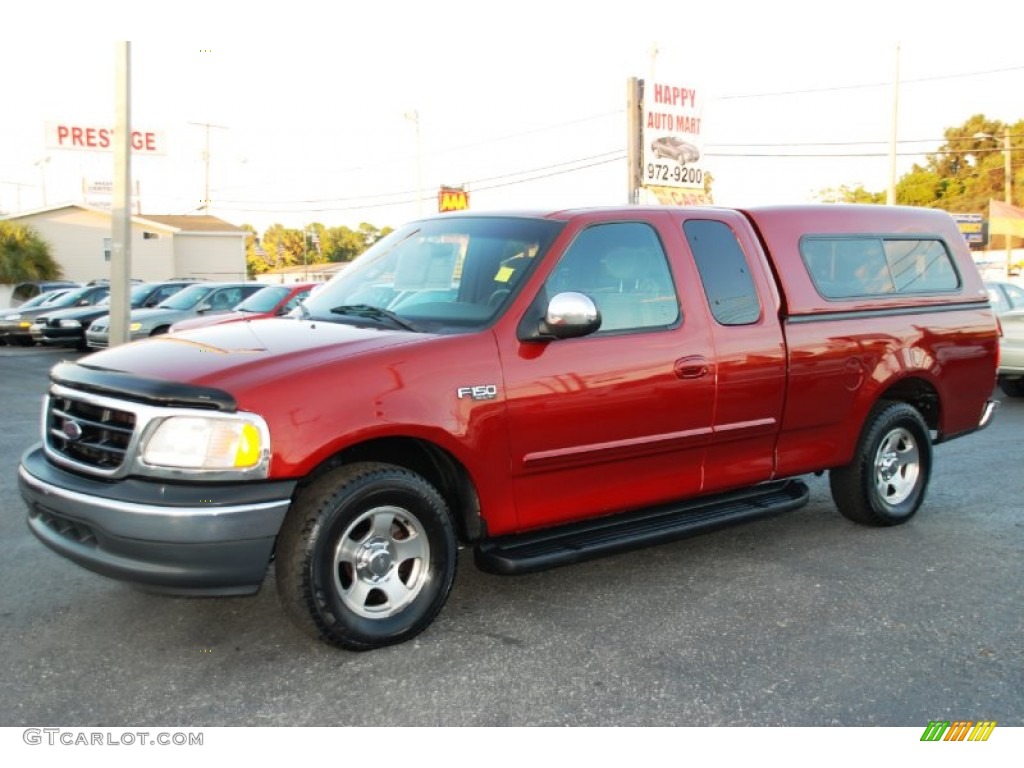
(121, 219)
(633, 153)
(890, 198)
(1008, 191)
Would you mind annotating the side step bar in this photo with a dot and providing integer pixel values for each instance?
(576, 542)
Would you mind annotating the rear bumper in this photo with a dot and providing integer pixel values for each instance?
(212, 539)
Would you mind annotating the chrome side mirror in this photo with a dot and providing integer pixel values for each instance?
(569, 315)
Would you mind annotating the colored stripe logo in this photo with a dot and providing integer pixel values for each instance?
(958, 730)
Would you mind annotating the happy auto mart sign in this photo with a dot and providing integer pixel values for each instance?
(673, 146)
(100, 138)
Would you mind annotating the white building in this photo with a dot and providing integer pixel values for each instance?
(162, 247)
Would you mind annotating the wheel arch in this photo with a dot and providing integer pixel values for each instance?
(432, 462)
(918, 392)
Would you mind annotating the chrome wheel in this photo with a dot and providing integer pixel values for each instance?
(897, 465)
(381, 562)
(366, 556)
(886, 480)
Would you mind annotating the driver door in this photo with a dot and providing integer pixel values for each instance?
(618, 419)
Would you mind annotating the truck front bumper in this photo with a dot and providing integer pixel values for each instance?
(196, 539)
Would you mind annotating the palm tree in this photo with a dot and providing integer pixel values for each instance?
(24, 255)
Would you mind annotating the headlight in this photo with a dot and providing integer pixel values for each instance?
(134, 327)
(200, 442)
(69, 324)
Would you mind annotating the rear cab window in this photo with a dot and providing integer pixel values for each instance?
(854, 266)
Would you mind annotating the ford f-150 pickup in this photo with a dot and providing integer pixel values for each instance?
(540, 388)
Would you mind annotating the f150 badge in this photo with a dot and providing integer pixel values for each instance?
(479, 392)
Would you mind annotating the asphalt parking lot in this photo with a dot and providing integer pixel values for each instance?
(801, 620)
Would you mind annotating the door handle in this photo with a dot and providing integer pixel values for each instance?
(692, 367)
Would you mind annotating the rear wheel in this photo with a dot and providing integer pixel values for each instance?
(886, 481)
(366, 556)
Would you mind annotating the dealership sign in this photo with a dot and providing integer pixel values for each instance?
(452, 199)
(670, 131)
(100, 138)
(972, 226)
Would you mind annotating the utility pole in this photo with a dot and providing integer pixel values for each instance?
(414, 116)
(41, 164)
(1008, 190)
(205, 207)
(890, 198)
(121, 212)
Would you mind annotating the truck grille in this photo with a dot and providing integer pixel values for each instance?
(87, 433)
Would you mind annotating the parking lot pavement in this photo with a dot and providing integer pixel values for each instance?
(801, 620)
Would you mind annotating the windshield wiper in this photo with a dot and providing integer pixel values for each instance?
(374, 313)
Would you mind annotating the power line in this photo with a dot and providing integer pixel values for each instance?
(887, 84)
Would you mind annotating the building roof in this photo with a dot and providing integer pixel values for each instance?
(186, 223)
(193, 223)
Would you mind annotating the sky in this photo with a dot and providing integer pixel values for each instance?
(357, 112)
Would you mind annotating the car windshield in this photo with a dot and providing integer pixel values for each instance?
(448, 274)
(265, 299)
(43, 299)
(72, 297)
(186, 298)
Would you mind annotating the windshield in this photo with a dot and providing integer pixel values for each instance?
(42, 299)
(186, 298)
(265, 299)
(448, 274)
(72, 298)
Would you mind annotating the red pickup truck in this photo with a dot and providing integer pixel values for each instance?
(541, 387)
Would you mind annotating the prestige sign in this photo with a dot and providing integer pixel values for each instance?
(99, 138)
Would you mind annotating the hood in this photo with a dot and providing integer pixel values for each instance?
(235, 355)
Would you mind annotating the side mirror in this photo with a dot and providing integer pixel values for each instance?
(568, 315)
(204, 307)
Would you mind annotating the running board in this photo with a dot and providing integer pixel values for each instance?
(576, 542)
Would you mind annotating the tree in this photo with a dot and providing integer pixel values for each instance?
(846, 194)
(24, 255)
(967, 171)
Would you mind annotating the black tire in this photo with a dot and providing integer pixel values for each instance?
(161, 330)
(1012, 387)
(887, 479)
(344, 573)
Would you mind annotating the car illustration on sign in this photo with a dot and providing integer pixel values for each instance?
(675, 148)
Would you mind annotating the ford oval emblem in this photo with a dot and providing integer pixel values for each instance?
(72, 430)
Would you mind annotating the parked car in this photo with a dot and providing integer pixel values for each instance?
(1011, 353)
(15, 327)
(194, 301)
(676, 149)
(1004, 297)
(67, 327)
(42, 300)
(271, 301)
(29, 289)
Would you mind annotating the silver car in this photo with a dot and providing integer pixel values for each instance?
(195, 301)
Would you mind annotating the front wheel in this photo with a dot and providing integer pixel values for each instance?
(886, 481)
(366, 556)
